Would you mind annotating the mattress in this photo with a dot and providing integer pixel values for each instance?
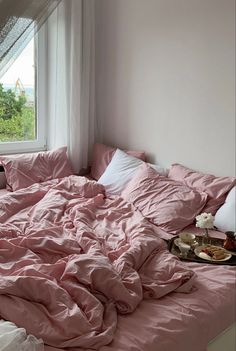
(181, 321)
(178, 321)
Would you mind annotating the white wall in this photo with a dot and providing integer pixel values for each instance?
(166, 79)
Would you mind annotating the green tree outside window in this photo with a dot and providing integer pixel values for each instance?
(17, 119)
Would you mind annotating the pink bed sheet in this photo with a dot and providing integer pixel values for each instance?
(71, 261)
(176, 321)
(3, 192)
(181, 322)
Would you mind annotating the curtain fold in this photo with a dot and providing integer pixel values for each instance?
(19, 22)
(71, 79)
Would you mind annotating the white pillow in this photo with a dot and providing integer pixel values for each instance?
(225, 217)
(120, 171)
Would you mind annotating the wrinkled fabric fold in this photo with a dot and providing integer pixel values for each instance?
(71, 259)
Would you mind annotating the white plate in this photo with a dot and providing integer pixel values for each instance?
(198, 252)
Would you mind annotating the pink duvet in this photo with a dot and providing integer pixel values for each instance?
(3, 192)
(72, 261)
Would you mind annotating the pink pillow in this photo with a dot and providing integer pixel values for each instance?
(102, 155)
(165, 202)
(26, 169)
(215, 187)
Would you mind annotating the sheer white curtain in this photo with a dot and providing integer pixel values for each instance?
(19, 22)
(71, 79)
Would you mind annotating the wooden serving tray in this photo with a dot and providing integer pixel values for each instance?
(193, 258)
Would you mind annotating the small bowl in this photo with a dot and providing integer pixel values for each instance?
(187, 238)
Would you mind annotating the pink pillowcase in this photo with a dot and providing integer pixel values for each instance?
(102, 155)
(165, 202)
(24, 170)
(215, 187)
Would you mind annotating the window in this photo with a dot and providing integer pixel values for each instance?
(21, 108)
(18, 111)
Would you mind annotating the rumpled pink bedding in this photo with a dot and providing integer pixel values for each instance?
(72, 261)
(181, 322)
(3, 192)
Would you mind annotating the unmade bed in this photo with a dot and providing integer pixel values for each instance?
(37, 250)
(82, 268)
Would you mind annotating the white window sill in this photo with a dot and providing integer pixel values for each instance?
(21, 147)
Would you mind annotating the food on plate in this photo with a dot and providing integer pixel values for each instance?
(215, 252)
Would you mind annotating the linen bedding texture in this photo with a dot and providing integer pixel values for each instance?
(215, 187)
(121, 170)
(71, 259)
(24, 170)
(172, 202)
(102, 155)
(165, 202)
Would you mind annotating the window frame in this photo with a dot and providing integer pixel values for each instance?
(39, 144)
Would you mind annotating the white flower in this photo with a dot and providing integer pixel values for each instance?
(205, 220)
